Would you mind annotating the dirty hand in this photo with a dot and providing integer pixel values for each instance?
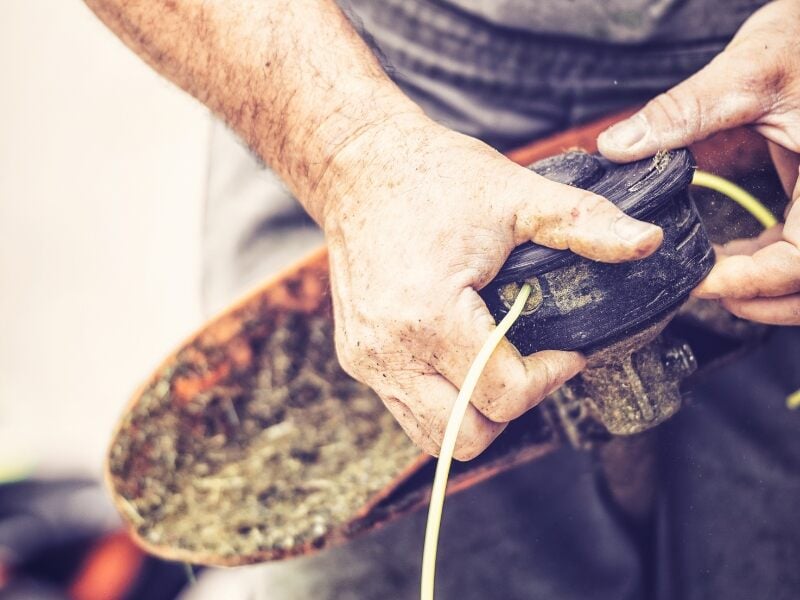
(759, 279)
(423, 218)
(754, 81)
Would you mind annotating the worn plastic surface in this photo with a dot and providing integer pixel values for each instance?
(580, 304)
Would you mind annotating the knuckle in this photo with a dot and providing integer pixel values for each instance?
(592, 202)
(569, 216)
(573, 204)
(589, 207)
(676, 108)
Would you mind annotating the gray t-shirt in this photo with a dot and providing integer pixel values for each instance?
(509, 71)
(621, 21)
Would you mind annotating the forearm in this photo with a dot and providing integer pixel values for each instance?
(291, 77)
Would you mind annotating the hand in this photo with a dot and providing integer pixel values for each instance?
(759, 279)
(425, 218)
(754, 81)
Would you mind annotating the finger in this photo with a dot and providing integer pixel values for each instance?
(510, 385)
(719, 254)
(786, 164)
(720, 96)
(423, 405)
(772, 271)
(745, 247)
(772, 311)
(748, 246)
(570, 218)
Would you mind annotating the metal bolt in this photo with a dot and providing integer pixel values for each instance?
(679, 360)
(508, 293)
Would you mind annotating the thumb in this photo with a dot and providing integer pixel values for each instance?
(720, 96)
(578, 220)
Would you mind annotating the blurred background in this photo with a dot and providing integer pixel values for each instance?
(98, 156)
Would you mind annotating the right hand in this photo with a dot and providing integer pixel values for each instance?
(419, 219)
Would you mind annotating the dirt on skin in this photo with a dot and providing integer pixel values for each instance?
(266, 455)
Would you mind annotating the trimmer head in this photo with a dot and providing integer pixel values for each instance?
(580, 304)
(614, 313)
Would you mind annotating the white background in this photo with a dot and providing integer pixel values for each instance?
(102, 170)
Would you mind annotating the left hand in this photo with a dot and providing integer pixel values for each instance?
(754, 81)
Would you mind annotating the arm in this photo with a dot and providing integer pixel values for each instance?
(417, 217)
(754, 81)
(291, 78)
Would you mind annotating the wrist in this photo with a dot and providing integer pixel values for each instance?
(364, 156)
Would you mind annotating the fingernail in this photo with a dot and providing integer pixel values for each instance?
(626, 134)
(633, 231)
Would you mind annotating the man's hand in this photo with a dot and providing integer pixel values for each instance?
(417, 217)
(759, 279)
(424, 218)
(755, 81)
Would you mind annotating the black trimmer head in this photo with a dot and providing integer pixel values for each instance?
(580, 304)
(614, 313)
